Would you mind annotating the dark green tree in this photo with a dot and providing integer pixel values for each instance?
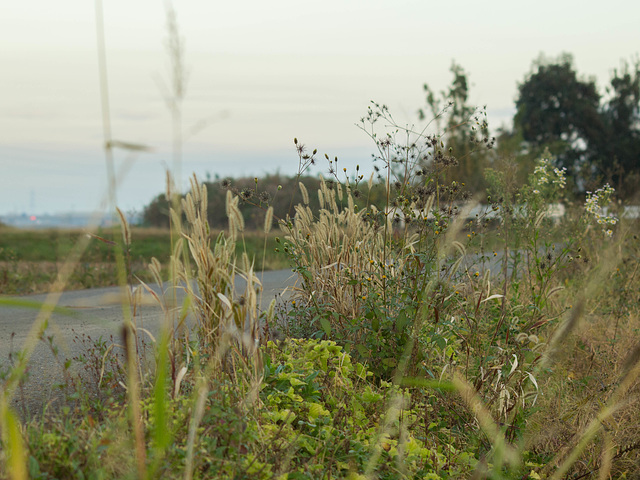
(617, 148)
(557, 110)
(596, 138)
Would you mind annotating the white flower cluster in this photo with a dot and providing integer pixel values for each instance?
(544, 173)
(593, 205)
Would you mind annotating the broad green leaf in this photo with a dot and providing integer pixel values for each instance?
(316, 410)
(375, 324)
(326, 326)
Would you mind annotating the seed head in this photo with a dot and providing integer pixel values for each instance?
(246, 194)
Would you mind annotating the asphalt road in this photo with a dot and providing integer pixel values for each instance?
(94, 313)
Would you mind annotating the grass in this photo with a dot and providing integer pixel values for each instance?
(397, 358)
(400, 356)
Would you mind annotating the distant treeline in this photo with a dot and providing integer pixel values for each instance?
(257, 194)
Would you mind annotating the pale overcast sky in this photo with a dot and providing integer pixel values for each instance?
(263, 72)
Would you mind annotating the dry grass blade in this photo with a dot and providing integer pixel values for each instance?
(502, 450)
(126, 230)
(201, 398)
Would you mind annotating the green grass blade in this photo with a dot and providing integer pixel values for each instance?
(12, 443)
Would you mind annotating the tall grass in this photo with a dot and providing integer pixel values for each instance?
(406, 352)
(413, 358)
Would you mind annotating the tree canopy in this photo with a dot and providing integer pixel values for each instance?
(597, 138)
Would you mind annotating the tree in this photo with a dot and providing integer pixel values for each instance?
(596, 139)
(618, 147)
(465, 129)
(557, 110)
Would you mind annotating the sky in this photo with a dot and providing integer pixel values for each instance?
(259, 73)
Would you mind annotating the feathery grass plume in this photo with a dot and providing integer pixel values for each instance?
(175, 218)
(329, 243)
(320, 198)
(233, 228)
(330, 199)
(233, 225)
(323, 187)
(188, 208)
(305, 194)
(195, 189)
(246, 264)
(227, 324)
(233, 211)
(228, 202)
(350, 203)
(204, 201)
(268, 220)
(239, 219)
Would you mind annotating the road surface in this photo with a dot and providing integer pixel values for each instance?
(94, 313)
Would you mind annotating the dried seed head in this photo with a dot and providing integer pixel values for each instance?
(195, 188)
(229, 203)
(175, 219)
(233, 227)
(305, 194)
(239, 219)
(189, 208)
(268, 220)
(246, 194)
(264, 197)
(204, 201)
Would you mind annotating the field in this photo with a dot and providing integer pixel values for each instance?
(30, 260)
